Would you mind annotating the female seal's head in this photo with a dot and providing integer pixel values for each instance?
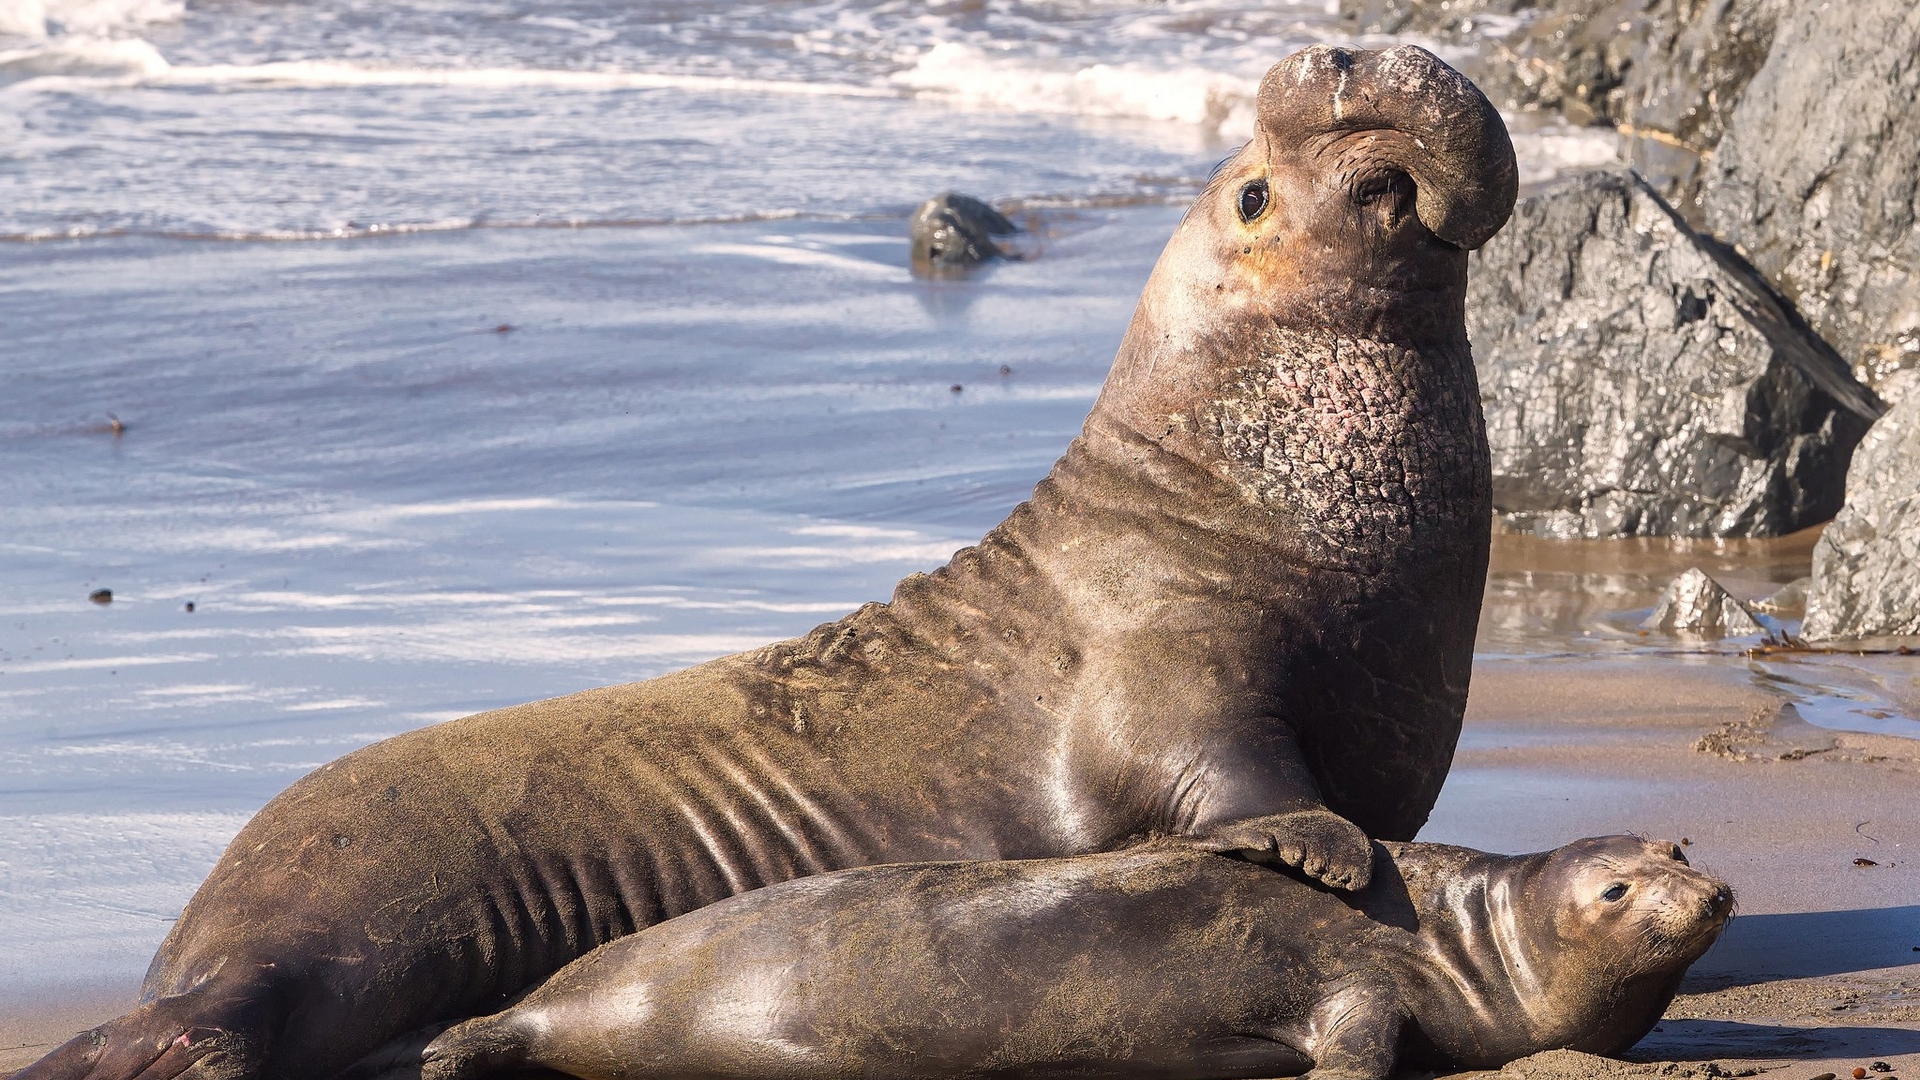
(1615, 921)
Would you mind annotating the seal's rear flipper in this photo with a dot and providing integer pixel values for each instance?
(476, 1048)
(199, 1035)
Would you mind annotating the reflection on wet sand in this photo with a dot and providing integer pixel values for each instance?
(1585, 595)
(1573, 598)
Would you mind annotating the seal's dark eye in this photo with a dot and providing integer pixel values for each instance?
(1253, 200)
(1613, 892)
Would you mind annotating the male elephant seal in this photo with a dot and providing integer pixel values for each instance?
(1240, 608)
(1159, 962)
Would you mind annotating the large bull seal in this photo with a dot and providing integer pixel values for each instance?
(1241, 608)
(1157, 962)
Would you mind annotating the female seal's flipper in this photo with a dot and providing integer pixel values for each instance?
(198, 1035)
(477, 1047)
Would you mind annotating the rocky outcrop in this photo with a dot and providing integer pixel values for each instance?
(1695, 603)
(1452, 20)
(1791, 130)
(1818, 179)
(1638, 380)
(1666, 73)
(953, 232)
(1866, 566)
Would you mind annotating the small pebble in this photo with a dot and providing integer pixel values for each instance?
(956, 388)
(189, 607)
(1859, 1073)
(101, 596)
(1822, 1076)
(1865, 862)
(503, 328)
(1686, 842)
(1005, 370)
(1880, 1066)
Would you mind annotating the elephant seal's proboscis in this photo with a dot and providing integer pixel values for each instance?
(1240, 609)
(1157, 962)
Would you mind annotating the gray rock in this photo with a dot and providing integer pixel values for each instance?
(1638, 380)
(1666, 73)
(1698, 604)
(1866, 566)
(1787, 601)
(1818, 178)
(1688, 67)
(954, 231)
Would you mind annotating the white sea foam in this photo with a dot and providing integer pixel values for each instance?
(45, 18)
(1548, 151)
(1221, 101)
(71, 62)
(83, 60)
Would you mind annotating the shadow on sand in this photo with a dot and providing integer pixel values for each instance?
(1763, 948)
(1698, 1040)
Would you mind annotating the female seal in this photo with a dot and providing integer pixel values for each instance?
(1154, 962)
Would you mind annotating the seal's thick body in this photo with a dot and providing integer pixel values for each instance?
(1158, 962)
(1240, 608)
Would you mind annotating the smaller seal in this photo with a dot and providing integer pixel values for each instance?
(1159, 960)
(954, 231)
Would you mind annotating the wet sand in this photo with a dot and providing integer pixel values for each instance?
(1820, 971)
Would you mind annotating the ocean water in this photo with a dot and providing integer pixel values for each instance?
(251, 119)
(453, 354)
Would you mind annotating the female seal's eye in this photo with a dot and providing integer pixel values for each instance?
(1614, 892)
(1253, 200)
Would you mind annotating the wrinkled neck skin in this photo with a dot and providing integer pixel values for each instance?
(1317, 368)
(1279, 507)
(1503, 984)
(1312, 404)
(1324, 327)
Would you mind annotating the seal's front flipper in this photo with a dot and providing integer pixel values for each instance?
(1317, 842)
(1360, 1039)
(1250, 791)
(208, 1033)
